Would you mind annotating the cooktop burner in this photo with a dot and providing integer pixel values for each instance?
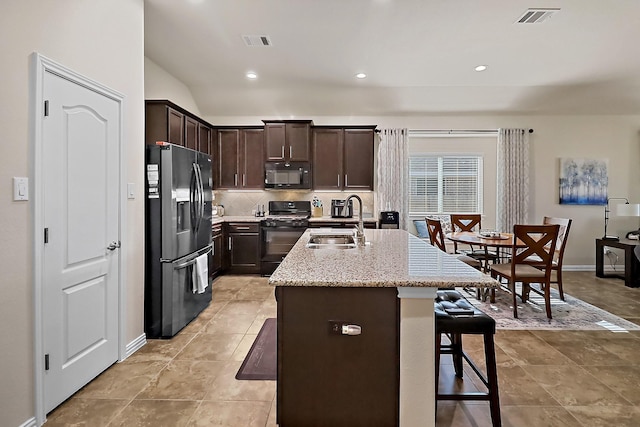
(288, 214)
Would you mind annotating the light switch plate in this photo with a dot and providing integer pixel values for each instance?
(20, 188)
(131, 190)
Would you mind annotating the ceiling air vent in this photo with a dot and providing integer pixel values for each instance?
(257, 40)
(536, 16)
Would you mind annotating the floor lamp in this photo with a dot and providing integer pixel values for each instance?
(625, 209)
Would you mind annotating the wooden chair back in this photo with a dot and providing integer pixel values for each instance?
(436, 236)
(563, 233)
(465, 222)
(540, 241)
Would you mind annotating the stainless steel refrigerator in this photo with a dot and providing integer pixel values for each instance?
(178, 235)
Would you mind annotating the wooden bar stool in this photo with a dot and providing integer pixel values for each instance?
(455, 316)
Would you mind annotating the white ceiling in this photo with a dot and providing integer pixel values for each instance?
(419, 56)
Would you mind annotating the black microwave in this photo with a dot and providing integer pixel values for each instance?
(287, 176)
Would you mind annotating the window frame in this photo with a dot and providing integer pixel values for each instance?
(440, 158)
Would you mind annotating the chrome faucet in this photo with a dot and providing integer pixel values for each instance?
(360, 228)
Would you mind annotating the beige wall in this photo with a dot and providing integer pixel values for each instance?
(616, 138)
(159, 84)
(103, 40)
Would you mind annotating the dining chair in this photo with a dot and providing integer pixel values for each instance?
(472, 222)
(558, 255)
(532, 252)
(436, 237)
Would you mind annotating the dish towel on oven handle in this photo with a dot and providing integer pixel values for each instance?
(200, 273)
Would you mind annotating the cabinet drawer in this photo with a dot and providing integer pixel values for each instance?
(243, 227)
(216, 229)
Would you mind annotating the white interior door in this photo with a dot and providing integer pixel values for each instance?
(80, 172)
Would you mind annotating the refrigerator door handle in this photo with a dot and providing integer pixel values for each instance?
(201, 194)
(196, 197)
(191, 258)
(192, 197)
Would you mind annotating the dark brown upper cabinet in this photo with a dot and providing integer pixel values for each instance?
(205, 141)
(287, 140)
(358, 159)
(191, 139)
(240, 158)
(166, 121)
(343, 158)
(328, 158)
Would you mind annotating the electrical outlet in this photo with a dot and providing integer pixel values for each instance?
(606, 250)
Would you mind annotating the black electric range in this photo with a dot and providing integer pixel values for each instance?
(281, 229)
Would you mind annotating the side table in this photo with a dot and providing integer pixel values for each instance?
(631, 264)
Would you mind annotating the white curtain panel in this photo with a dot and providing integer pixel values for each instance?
(393, 173)
(513, 178)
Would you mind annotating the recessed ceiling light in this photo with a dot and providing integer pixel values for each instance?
(481, 68)
(251, 75)
(361, 76)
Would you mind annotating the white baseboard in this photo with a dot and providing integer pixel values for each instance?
(31, 422)
(607, 268)
(135, 345)
(579, 267)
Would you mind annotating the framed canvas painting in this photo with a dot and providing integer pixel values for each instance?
(583, 181)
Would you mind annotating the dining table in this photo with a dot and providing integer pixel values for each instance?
(490, 240)
(502, 242)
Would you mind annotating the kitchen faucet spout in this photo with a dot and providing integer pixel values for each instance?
(360, 228)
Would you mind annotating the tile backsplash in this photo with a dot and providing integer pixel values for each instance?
(246, 202)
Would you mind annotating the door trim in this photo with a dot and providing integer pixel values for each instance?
(39, 65)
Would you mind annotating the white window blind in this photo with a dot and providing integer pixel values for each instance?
(445, 184)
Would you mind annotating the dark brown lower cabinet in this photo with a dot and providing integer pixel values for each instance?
(326, 378)
(217, 250)
(243, 248)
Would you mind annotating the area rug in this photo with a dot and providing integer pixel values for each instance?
(570, 314)
(261, 360)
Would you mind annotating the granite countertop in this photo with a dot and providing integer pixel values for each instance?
(394, 258)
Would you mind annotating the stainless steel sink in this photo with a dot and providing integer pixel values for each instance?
(332, 242)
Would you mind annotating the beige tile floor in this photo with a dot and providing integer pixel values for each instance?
(547, 378)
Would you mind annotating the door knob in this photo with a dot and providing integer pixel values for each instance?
(113, 245)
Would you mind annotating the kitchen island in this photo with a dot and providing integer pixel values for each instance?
(356, 330)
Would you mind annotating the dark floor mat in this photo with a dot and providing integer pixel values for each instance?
(261, 361)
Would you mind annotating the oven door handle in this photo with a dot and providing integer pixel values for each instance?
(285, 227)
